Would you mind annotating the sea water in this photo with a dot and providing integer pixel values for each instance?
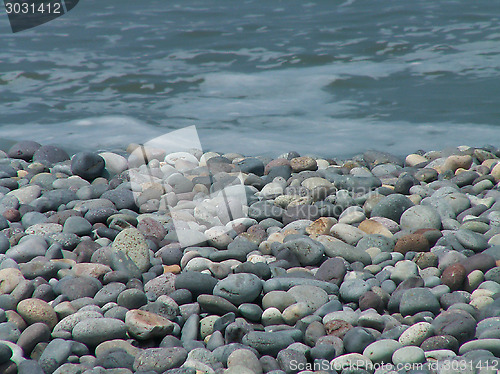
(330, 78)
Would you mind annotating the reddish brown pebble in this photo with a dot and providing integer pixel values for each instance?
(371, 300)
(412, 242)
(337, 327)
(151, 228)
(12, 215)
(454, 276)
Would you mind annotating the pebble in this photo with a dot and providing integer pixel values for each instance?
(408, 355)
(9, 279)
(87, 165)
(381, 351)
(337, 248)
(145, 325)
(24, 150)
(392, 207)
(454, 276)
(457, 323)
(307, 250)
(239, 288)
(94, 331)
(133, 243)
(418, 300)
(50, 154)
(114, 163)
(352, 290)
(416, 334)
(36, 310)
(159, 359)
(245, 358)
(420, 217)
(267, 343)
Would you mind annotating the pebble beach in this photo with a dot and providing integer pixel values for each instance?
(128, 262)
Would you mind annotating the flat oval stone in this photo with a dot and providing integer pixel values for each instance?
(65, 326)
(456, 323)
(239, 288)
(382, 350)
(9, 279)
(337, 248)
(36, 310)
(55, 354)
(24, 150)
(408, 355)
(492, 345)
(480, 261)
(144, 325)
(412, 242)
(27, 249)
(472, 240)
(347, 233)
(352, 290)
(196, 282)
(50, 154)
(32, 335)
(416, 334)
(216, 304)
(307, 250)
(94, 331)
(418, 300)
(440, 342)
(285, 283)
(133, 243)
(278, 299)
(77, 287)
(267, 343)
(159, 359)
(313, 296)
(420, 217)
(392, 207)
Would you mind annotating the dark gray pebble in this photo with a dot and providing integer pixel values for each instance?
(87, 165)
(268, 343)
(197, 283)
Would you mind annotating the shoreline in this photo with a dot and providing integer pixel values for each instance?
(198, 262)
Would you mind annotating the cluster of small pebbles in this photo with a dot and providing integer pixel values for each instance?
(377, 264)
